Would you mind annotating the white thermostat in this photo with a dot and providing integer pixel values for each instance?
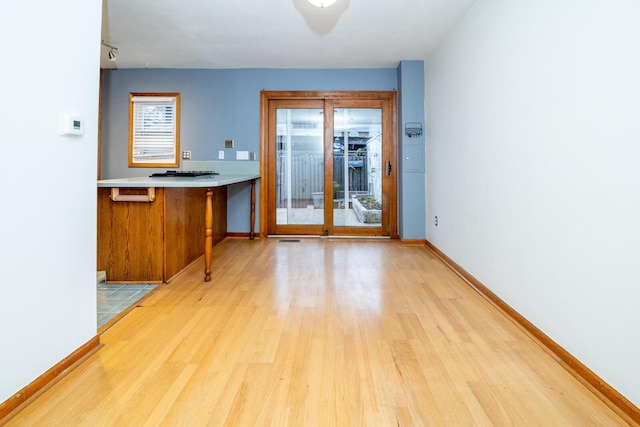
(70, 124)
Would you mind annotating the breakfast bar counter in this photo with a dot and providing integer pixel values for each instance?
(179, 181)
(148, 227)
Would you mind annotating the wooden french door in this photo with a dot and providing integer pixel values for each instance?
(328, 163)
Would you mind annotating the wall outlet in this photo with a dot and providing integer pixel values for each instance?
(221, 155)
(436, 221)
(186, 155)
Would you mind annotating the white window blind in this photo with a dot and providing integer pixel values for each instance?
(154, 136)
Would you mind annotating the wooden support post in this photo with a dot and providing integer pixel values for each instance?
(208, 234)
(252, 234)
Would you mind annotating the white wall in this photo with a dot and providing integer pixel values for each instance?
(50, 63)
(534, 168)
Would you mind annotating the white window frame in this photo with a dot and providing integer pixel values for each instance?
(154, 140)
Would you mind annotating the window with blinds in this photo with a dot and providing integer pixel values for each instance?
(154, 129)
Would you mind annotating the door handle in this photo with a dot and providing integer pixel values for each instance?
(388, 167)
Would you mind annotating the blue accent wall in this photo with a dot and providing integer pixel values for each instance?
(216, 105)
(411, 178)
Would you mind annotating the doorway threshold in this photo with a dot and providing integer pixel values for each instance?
(293, 236)
(309, 236)
(357, 237)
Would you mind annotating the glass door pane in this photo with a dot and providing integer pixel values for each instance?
(299, 166)
(357, 167)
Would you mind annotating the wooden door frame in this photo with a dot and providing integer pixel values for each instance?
(392, 144)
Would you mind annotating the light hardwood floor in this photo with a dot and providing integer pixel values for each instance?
(317, 333)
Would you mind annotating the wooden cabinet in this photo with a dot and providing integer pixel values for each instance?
(150, 242)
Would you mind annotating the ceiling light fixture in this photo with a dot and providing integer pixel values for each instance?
(322, 3)
(113, 51)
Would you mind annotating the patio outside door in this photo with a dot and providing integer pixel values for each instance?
(328, 168)
(299, 169)
(357, 167)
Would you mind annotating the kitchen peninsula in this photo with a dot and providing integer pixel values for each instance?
(151, 228)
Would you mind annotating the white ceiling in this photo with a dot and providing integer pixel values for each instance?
(274, 33)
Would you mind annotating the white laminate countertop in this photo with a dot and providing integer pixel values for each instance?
(184, 182)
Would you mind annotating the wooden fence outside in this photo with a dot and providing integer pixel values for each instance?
(308, 172)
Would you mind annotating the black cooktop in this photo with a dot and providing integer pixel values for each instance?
(187, 174)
